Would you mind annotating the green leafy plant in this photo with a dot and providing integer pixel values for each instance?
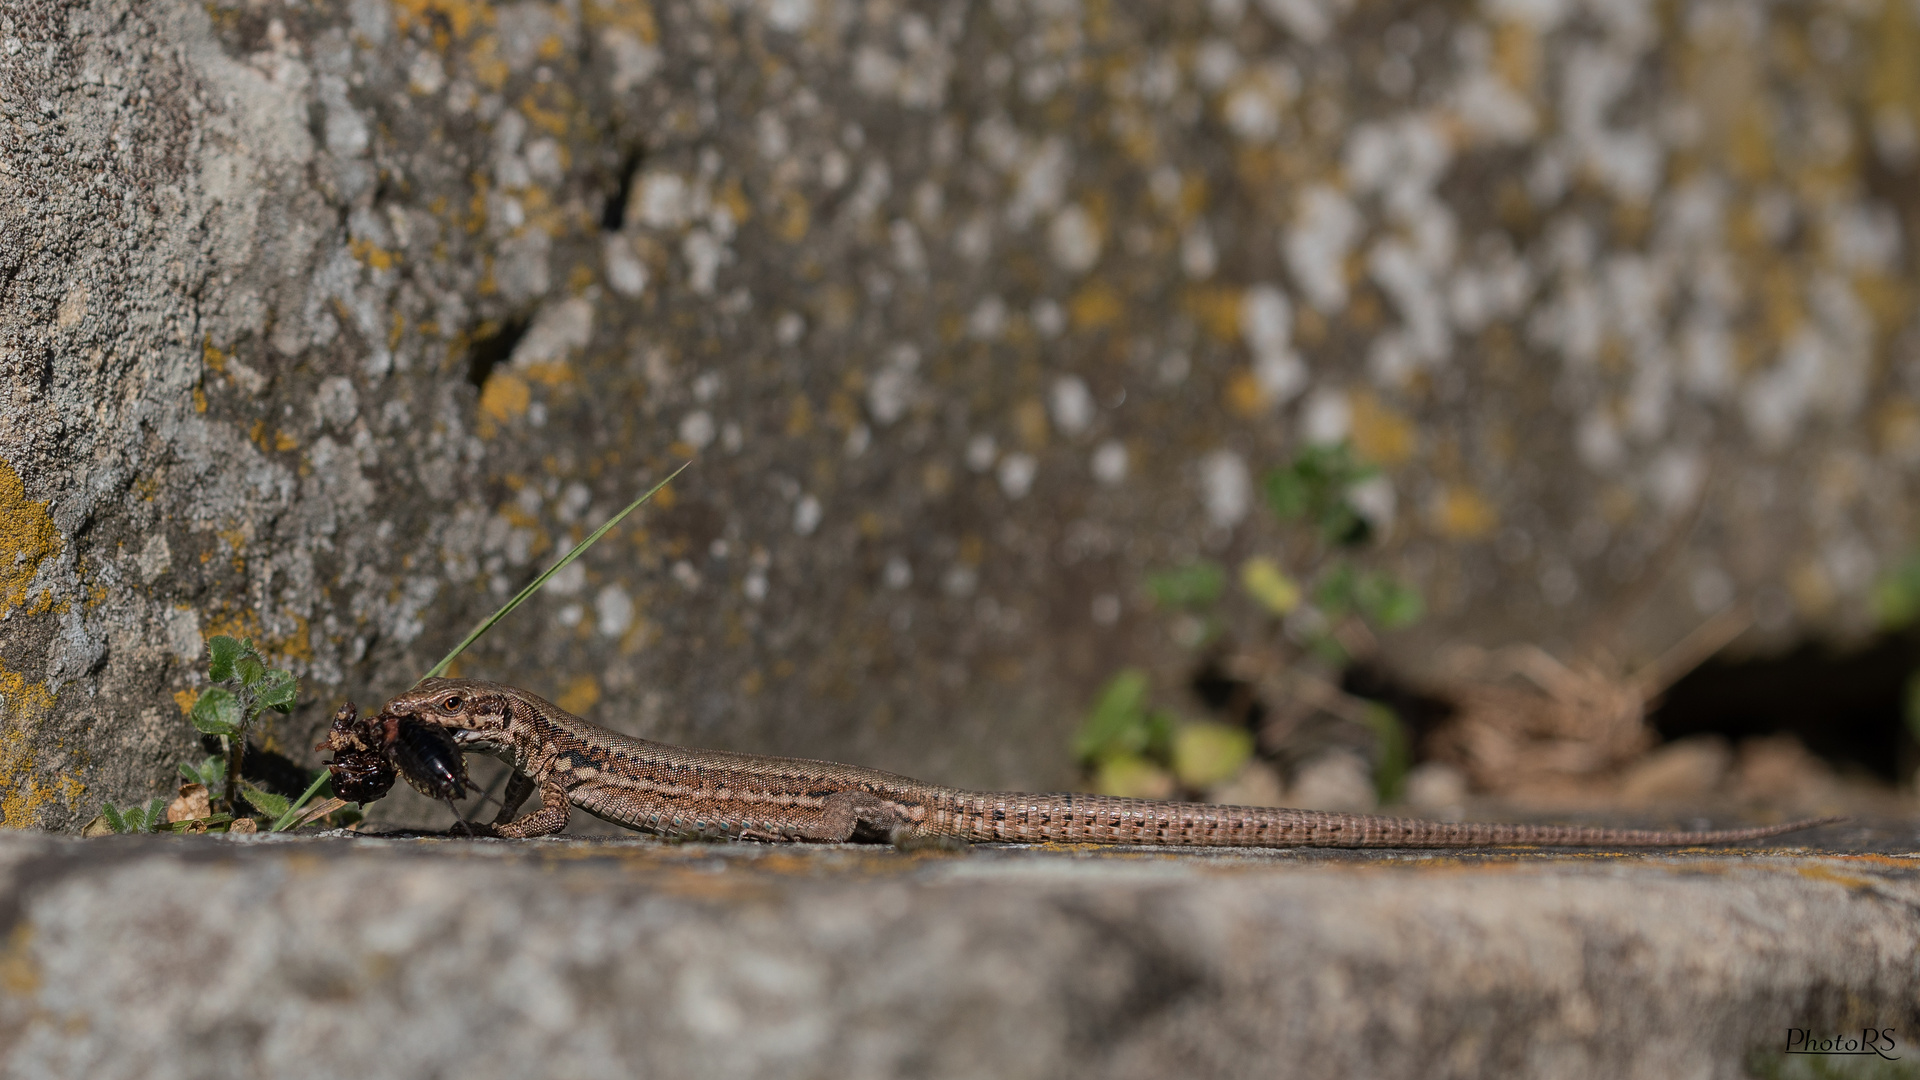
(135, 819)
(230, 711)
(1315, 487)
(1317, 600)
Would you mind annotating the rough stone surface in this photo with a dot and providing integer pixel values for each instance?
(327, 323)
(407, 958)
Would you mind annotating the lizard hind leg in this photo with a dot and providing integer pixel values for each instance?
(856, 817)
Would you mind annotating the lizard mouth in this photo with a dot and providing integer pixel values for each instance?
(467, 738)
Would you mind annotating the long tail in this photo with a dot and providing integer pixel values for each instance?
(1100, 819)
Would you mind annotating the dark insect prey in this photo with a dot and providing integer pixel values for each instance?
(368, 751)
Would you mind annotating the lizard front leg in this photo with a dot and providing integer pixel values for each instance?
(549, 819)
(519, 787)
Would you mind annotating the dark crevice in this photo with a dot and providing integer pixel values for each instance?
(1420, 710)
(614, 215)
(1846, 705)
(1237, 701)
(492, 349)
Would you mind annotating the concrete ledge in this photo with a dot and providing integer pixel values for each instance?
(372, 958)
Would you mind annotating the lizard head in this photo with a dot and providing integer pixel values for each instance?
(475, 712)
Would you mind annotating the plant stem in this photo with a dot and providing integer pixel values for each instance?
(236, 747)
(293, 812)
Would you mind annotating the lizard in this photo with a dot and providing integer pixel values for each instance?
(717, 794)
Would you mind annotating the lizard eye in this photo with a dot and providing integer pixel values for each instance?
(452, 704)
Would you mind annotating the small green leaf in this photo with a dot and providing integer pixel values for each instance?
(209, 772)
(1132, 777)
(115, 819)
(217, 712)
(1205, 754)
(1269, 585)
(222, 652)
(277, 690)
(156, 814)
(250, 669)
(1393, 754)
(1388, 601)
(1118, 721)
(265, 801)
(1287, 494)
(1195, 585)
(1336, 592)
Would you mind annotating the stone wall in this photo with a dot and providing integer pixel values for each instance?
(330, 323)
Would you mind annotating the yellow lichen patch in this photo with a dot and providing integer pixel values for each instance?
(582, 693)
(24, 707)
(1244, 397)
(505, 398)
(633, 16)
(735, 200)
(1379, 434)
(1464, 514)
(1217, 310)
(371, 254)
(796, 217)
(457, 16)
(214, 358)
(1096, 307)
(1030, 420)
(186, 700)
(19, 972)
(28, 537)
(485, 62)
(549, 373)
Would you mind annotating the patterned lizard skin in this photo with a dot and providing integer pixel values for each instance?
(678, 792)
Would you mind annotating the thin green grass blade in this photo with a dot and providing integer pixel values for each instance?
(447, 661)
(287, 819)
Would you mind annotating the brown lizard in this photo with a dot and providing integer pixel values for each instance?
(673, 791)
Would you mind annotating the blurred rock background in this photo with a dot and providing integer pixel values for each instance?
(330, 324)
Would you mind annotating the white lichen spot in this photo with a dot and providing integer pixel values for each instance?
(898, 573)
(1199, 258)
(1049, 318)
(336, 402)
(425, 73)
(982, 452)
(1110, 462)
(806, 515)
(697, 429)
(1074, 239)
(568, 580)
(1016, 474)
(1325, 228)
(1327, 417)
(1226, 488)
(557, 331)
(1309, 20)
(626, 271)
(788, 16)
(1266, 325)
(634, 61)
(1071, 404)
(988, 319)
(894, 388)
(661, 200)
(704, 254)
(613, 611)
